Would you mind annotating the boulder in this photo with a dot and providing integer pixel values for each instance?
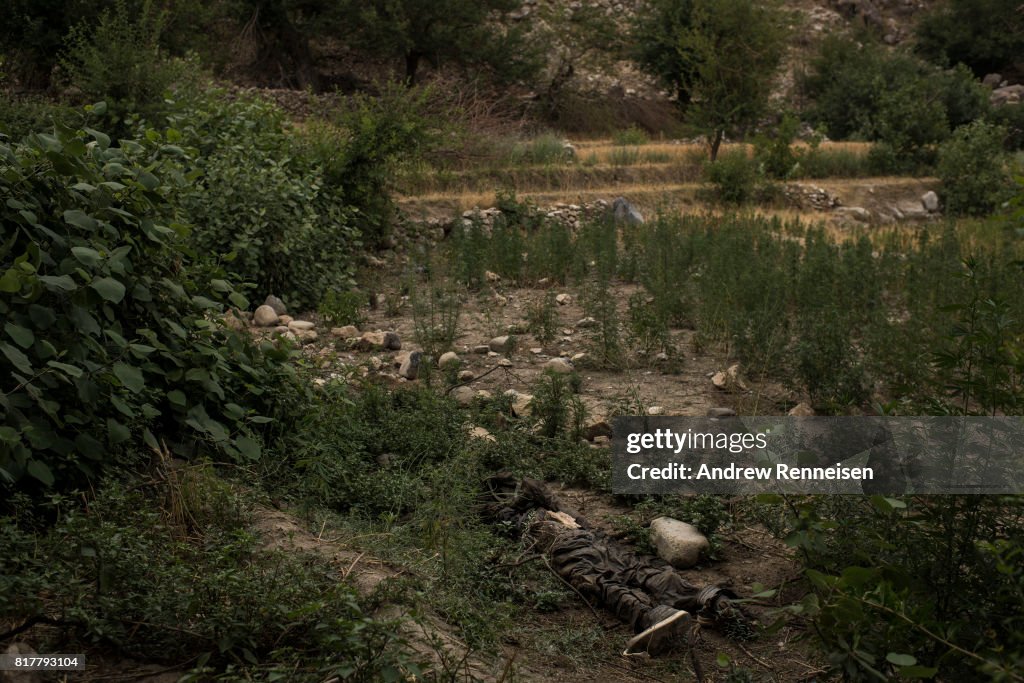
(463, 396)
(285, 319)
(930, 201)
(411, 366)
(992, 80)
(379, 341)
(503, 344)
(520, 402)
(481, 433)
(1008, 94)
(678, 543)
(624, 212)
(346, 332)
(265, 316)
(466, 375)
(276, 304)
(448, 360)
(563, 299)
(559, 366)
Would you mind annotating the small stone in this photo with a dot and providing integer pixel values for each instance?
(281, 329)
(264, 317)
(717, 413)
(656, 410)
(299, 325)
(661, 357)
(276, 304)
(285, 319)
(492, 277)
(567, 331)
(411, 367)
(536, 350)
(504, 363)
(520, 402)
(447, 360)
(930, 201)
(235, 322)
(384, 459)
(304, 336)
(559, 366)
(503, 344)
(484, 396)
(585, 323)
(602, 440)
(578, 357)
(678, 543)
(802, 409)
(729, 379)
(481, 349)
(346, 332)
(563, 299)
(466, 375)
(481, 433)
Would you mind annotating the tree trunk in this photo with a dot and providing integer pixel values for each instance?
(412, 64)
(715, 143)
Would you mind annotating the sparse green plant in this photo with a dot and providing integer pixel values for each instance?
(624, 156)
(435, 308)
(631, 136)
(343, 308)
(543, 318)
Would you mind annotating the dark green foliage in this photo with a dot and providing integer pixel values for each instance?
(861, 91)
(32, 34)
(973, 169)
(119, 59)
(263, 205)
(719, 57)
(435, 31)
(734, 177)
(110, 329)
(20, 117)
(560, 412)
(118, 576)
(986, 35)
(543, 318)
(775, 150)
(343, 308)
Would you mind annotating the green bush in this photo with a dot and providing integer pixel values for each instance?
(735, 178)
(775, 152)
(20, 117)
(973, 169)
(261, 204)
(110, 324)
(987, 36)
(119, 59)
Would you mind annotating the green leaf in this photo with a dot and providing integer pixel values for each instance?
(131, 377)
(177, 398)
(9, 434)
(40, 471)
(900, 659)
(117, 432)
(80, 219)
(86, 256)
(110, 289)
(61, 282)
(17, 358)
(71, 370)
(22, 337)
(250, 448)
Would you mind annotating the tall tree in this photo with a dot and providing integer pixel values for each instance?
(720, 58)
(467, 32)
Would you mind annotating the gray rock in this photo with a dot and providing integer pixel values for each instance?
(559, 366)
(585, 323)
(411, 366)
(466, 375)
(520, 402)
(624, 212)
(992, 80)
(346, 332)
(392, 342)
(596, 428)
(463, 396)
(503, 344)
(300, 325)
(1008, 94)
(448, 360)
(563, 299)
(930, 201)
(481, 349)
(265, 316)
(276, 304)
(718, 413)
(304, 336)
(857, 213)
(678, 543)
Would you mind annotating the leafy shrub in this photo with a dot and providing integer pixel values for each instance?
(343, 308)
(775, 152)
(269, 212)
(630, 136)
(117, 576)
(21, 117)
(110, 327)
(544, 149)
(972, 168)
(986, 36)
(735, 178)
(119, 60)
